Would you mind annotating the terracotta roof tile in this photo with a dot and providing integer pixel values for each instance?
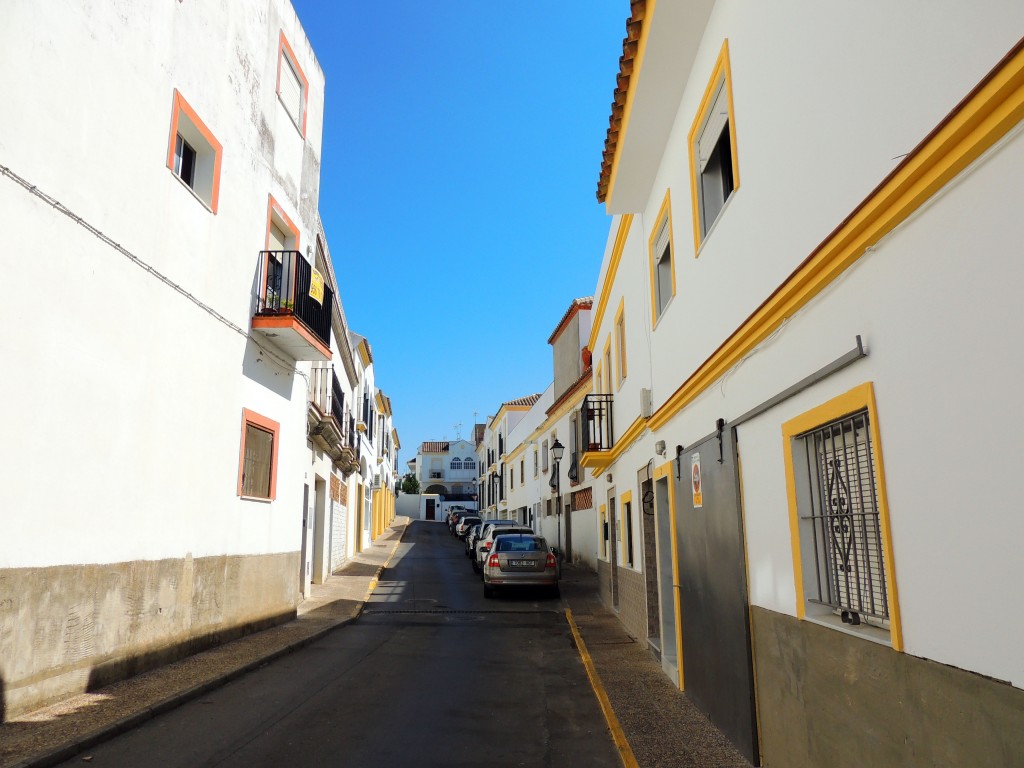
(527, 401)
(586, 302)
(435, 447)
(630, 45)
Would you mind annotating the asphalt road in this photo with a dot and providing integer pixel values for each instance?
(432, 674)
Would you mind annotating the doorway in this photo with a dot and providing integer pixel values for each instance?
(613, 549)
(430, 509)
(666, 578)
(713, 598)
(650, 561)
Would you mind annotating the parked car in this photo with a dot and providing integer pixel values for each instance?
(520, 560)
(471, 537)
(453, 519)
(483, 544)
(474, 536)
(464, 524)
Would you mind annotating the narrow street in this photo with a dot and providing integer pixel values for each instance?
(431, 674)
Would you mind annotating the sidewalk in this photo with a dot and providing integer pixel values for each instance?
(51, 735)
(661, 725)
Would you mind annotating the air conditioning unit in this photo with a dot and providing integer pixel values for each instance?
(646, 404)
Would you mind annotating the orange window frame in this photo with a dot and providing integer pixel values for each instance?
(178, 106)
(267, 425)
(284, 49)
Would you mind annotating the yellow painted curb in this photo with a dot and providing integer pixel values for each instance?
(618, 735)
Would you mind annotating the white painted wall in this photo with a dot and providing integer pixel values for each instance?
(120, 362)
(820, 121)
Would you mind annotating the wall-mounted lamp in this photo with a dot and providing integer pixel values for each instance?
(608, 477)
(659, 447)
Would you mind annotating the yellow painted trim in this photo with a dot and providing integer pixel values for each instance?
(515, 454)
(722, 70)
(609, 278)
(599, 377)
(607, 358)
(364, 353)
(857, 399)
(394, 437)
(638, 63)
(668, 470)
(597, 461)
(618, 735)
(664, 212)
(620, 342)
(978, 123)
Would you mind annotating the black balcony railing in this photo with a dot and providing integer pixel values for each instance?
(285, 278)
(338, 401)
(596, 423)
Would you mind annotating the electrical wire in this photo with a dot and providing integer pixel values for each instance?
(145, 267)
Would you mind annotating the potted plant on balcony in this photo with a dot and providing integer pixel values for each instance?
(287, 305)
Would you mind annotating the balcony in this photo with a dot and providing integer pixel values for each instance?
(596, 436)
(328, 423)
(288, 313)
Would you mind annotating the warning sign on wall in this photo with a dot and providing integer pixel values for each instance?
(698, 495)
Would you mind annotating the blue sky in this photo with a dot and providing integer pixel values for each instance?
(461, 150)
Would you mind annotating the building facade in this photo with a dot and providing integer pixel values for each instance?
(198, 364)
(797, 286)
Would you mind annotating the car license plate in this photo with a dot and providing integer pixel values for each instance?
(521, 563)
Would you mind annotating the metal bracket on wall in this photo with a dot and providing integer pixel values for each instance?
(679, 462)
(836, 365)
(720, 427)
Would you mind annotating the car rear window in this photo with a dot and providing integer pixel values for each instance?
(508, 543)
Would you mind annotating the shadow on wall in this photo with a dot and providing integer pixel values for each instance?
(2, 701)
(267, 369)
(115, 670)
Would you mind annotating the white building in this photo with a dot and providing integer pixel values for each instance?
(447, 472)
(810, 272)
(165, 168)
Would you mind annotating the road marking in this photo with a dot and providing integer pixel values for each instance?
(618, 735)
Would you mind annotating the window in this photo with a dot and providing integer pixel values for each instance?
(663, 280)
(257, 471)
(194, 155)
(469, 464)
(544, 456)
(712, 142)
(512, 477)
(608, 364)
(185, 161)
(456, 463)
(292, 86)
(522, 470)
(536, 462)
(620, 342)
(839, 515)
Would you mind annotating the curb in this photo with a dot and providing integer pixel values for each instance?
(125, 724)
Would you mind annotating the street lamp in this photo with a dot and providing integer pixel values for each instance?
(557, 451)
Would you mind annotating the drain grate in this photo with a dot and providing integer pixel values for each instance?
(452, 611)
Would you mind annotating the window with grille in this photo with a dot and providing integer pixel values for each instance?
(456, 463)
(840, 530)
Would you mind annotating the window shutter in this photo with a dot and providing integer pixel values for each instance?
(718, 117)
(291, 90)
(661, 241)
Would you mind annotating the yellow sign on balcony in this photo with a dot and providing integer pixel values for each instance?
(316, 286)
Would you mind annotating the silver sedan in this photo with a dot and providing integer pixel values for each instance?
(520, 560)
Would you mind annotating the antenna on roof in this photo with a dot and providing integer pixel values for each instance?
(458, 430)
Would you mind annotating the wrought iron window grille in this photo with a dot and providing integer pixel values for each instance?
(843, 524)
